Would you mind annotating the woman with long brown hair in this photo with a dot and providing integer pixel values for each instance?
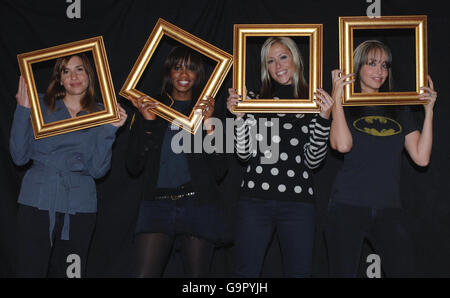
(365, 201)
(57, 200)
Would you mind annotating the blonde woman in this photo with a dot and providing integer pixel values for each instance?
(279, 196)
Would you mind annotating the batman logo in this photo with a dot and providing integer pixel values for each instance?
(378, 126)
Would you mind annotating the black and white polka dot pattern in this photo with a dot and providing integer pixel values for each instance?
(302, 143)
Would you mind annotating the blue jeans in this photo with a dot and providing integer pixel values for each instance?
(258, 219)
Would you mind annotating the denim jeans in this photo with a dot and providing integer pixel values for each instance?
(258, 219)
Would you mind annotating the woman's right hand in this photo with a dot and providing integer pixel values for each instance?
(22, 94)
(232, 100)
(145, 107)
(338, 84)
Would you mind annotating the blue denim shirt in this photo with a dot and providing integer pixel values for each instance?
(61, 177)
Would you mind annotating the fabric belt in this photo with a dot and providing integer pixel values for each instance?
(63, 180)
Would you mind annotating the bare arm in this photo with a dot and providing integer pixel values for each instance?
(419, 144)
(340, 136)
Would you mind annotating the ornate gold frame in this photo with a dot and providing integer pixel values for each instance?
(346, 27)
(110, 114)
(224, 62)
(242, 31)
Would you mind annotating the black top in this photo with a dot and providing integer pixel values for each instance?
(281, 150)
(144, 152)
(370, 176)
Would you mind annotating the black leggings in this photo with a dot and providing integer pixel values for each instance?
(154, 250)
(385, 229)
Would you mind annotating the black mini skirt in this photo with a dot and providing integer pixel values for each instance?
(175, 212)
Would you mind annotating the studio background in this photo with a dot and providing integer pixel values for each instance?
(125, 27)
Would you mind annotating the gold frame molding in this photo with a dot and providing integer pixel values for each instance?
(110, 114)
(313, 31)
(223, 59)
(346, 27)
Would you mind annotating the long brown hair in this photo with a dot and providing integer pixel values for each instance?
(299, 82)
(56, 90)
(361, 57)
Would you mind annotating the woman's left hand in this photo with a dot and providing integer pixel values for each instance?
(123, 117)
(207, 107)
(325, 101)
(430, 95)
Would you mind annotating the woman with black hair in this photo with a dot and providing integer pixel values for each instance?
(365, 201)
(58, 198)
(180, 195)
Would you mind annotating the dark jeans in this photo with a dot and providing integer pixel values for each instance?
(258, 219)
(35, 256)
(386, 230)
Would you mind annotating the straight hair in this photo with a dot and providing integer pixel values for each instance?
(56, 90)
(299, 82)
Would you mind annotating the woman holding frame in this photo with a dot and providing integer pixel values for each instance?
(279, 196)
(180, 195)
(57, 200)
(365, 201)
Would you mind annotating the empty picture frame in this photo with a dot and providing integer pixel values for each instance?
(223, 59)
(108, 115)
(270, 105)
(347, 27)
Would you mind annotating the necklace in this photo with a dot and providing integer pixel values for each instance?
(171, 99)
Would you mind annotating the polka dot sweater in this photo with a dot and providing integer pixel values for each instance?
(280, 151)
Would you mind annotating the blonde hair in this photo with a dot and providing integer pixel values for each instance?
(299, 82)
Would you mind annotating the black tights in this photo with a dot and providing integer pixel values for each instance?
(154, 250)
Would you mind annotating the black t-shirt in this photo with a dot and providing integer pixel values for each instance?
(370, 176)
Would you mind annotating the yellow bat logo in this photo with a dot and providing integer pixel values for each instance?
(378, 126)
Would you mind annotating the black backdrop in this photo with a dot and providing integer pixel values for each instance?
(125, 26)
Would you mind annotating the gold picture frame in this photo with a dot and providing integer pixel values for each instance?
(223, 59)
(110, 114)
(346, 27)
(313, 31)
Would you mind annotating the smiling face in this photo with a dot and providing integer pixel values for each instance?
(374, 73)
(74, 77)
(183, 77)
(280, 64)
